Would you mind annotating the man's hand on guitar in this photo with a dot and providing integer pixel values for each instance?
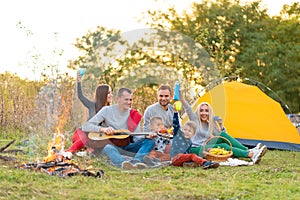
(107, 130)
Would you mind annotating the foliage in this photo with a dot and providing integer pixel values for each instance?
(243, 40)
(153, 58)
(216, 39)
(99, 51)
(36, 107)
(240, 40)
(16, 102)
(167, 56)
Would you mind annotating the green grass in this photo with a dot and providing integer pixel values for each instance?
(276, 177)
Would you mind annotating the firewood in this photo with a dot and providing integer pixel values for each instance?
(7, 158)
(12, 151)
(6, 146)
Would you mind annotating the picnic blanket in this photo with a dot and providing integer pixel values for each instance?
(235, 162)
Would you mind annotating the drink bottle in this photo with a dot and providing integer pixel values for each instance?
(176, 91)
(81, 71)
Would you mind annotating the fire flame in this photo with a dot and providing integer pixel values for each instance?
(55, 147)
(57, 144)
(55, 163)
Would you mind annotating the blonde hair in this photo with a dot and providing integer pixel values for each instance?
(192, 125)
(155, 119)
(211, 122)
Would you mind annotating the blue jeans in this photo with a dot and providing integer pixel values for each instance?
(140, 148)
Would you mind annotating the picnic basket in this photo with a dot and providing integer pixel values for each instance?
(213, 157)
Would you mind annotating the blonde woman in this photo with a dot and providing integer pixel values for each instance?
(208, 127)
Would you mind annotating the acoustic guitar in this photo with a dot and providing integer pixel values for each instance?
(120, 138)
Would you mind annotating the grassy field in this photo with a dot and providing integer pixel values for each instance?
(276, 177)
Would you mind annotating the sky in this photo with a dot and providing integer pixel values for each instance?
(70, 19)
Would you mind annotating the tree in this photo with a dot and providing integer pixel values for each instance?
(244, 41)
(99, 49)
(154, 57)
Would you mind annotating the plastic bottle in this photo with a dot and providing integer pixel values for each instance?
(81, 71)
(176, 91)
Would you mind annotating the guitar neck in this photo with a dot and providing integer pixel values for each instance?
(139, 133)
(148, 133)
(126, 132)
(142, 133)
(94, 136)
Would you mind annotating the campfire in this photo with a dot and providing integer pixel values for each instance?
(59, 163)
(56, 148)
(61, 168)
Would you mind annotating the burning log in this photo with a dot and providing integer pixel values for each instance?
(62, 169)
(58, 164)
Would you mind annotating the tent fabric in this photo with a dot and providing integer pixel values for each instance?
(250, 116)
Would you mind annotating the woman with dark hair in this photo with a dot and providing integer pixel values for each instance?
(103, 97)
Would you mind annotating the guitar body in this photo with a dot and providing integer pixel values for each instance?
(120, 142)
(120, 138)
(97, 141)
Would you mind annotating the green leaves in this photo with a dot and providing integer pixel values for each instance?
(243, 40)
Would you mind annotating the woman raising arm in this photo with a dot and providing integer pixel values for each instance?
(207, 127)
(103, 97)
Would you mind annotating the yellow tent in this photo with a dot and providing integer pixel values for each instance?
(251, 116)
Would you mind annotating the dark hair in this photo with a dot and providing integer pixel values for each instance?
(122, 90)
(165, 87)
(101, 96)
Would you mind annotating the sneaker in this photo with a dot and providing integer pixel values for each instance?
(165, 163)
(190, 164)
(149, 161)
(264, 150)
(141, 165)
(257, 154)
(67, 155)
(210, 164)
(127, 165)
(258, 146)
(81, 153)
(156, 159)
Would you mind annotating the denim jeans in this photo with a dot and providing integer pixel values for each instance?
(140, 148)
